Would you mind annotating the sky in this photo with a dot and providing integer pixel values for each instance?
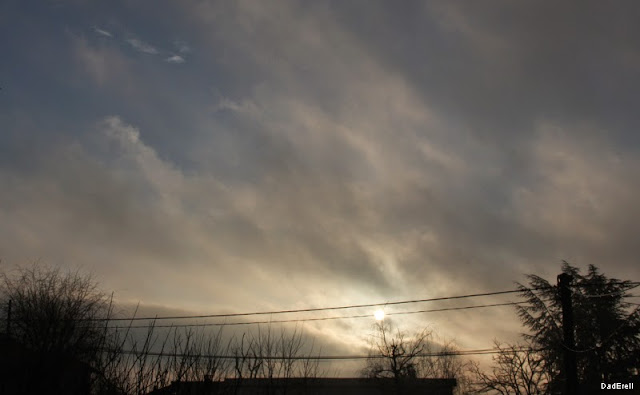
(217, 156)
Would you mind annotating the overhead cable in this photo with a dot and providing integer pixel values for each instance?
(345, 307)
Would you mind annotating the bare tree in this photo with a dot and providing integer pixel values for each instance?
(54, 311)
(58, 318)
(309, 367)
(248, 357)
(128, 365)
(516, 370)
(441, 359)
(143, 364)
(394, 355)
(57, 314)
(274, 357)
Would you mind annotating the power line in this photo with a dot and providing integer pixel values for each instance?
(631, 283)
(345, 307)
(323, 357)
(616, 293)
(312, 319)
(227, 315)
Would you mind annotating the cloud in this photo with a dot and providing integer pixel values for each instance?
(182, 46)
(348, 155)
(581, 200)
(109, 195)
(428, 173)
(142, 46)
(175, 59)
(103, 63)
(102, 32)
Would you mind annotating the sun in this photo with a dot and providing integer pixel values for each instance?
(379, 314)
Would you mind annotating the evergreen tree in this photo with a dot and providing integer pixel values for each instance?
(607, 327)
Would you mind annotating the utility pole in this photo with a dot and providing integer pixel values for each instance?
(9, 319)
(570, 365)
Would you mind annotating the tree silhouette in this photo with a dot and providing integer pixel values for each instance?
(60, 323)
(57, 318)
(394, 355)
(516, 370)
(607, 329)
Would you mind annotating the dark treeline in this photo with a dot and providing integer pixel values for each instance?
(60, 337)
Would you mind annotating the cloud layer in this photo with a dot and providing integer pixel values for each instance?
(326, 154)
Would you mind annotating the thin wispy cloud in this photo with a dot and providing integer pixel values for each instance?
(103, 64)
(177, 59)
(142, 46)
(102, 32)
(182, 46)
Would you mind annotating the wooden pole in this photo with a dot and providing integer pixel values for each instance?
(570, 365)
(9, 318)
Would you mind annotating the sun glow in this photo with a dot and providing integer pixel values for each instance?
(379, 314)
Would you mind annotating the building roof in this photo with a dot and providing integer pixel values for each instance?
(316, 386)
